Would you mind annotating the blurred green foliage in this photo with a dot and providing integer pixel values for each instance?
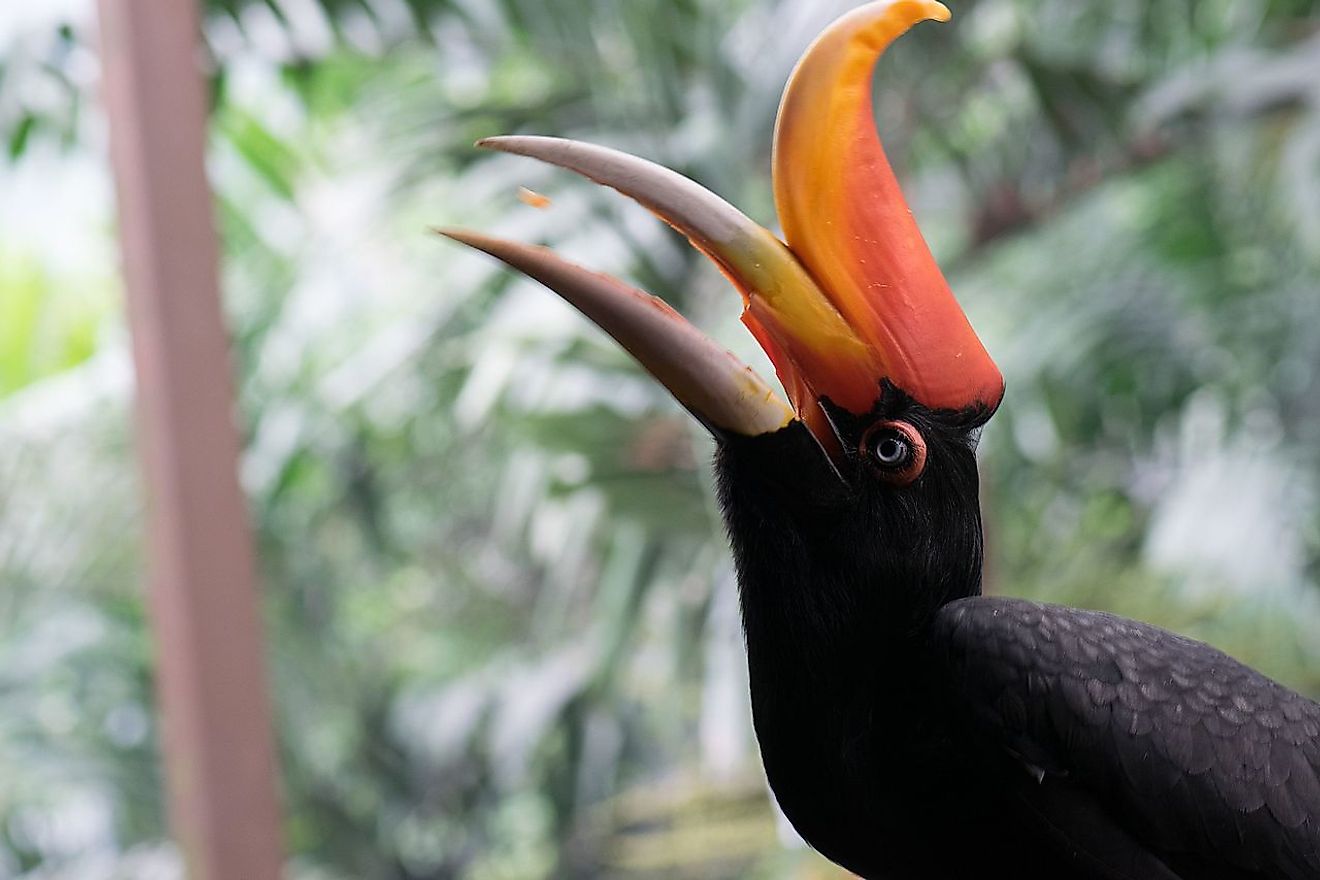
(45, 328)
(502, 623)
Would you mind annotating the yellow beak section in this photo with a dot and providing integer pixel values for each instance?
(845, 218)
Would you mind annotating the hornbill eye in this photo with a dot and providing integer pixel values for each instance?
(896, 451)
(892, 450)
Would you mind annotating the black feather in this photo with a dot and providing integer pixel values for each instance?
(912, 729)
(1187, 718)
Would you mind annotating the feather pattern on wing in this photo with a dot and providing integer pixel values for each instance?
(1211, 765)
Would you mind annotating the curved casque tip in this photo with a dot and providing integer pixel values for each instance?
(845, 217)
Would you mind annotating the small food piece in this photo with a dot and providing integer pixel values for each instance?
(533, 198)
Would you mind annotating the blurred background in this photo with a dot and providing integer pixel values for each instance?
(503, 630)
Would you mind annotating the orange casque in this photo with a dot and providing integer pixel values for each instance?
(846, 221)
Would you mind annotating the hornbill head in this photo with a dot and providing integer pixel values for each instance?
(870, 471)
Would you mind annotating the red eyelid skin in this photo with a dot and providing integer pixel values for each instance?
(908, 475)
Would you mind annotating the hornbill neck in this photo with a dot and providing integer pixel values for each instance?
(835, 572)
(838, 590)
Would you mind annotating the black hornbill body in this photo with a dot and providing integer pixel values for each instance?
(909, 726)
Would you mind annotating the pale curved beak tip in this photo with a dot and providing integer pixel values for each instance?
(723, 393)
(459, 235)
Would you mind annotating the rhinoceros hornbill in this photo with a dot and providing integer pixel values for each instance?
(909, 726)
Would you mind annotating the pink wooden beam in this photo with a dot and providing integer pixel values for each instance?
(210, 672)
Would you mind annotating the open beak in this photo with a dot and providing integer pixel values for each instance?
(852, 300)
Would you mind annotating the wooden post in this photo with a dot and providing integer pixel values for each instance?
(210, 671)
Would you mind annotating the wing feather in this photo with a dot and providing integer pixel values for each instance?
(1210, 764)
